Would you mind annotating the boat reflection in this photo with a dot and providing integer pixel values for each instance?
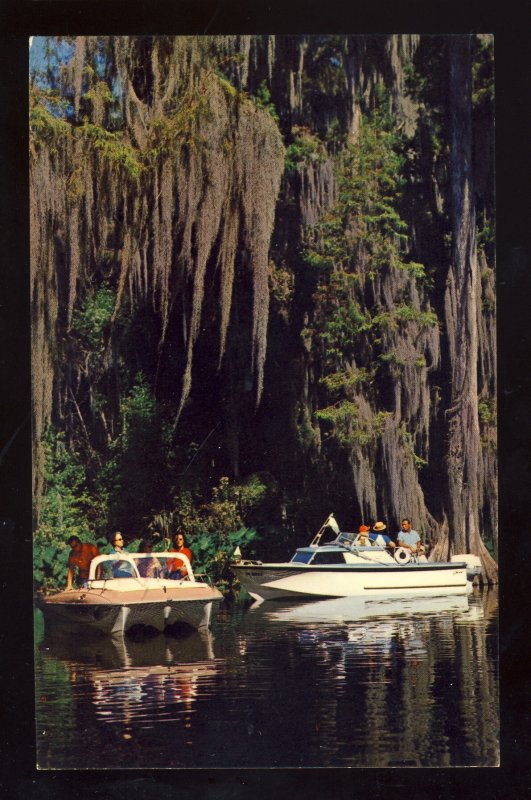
(137, 680)
(357, 625)
(126, 652)
(356, 609)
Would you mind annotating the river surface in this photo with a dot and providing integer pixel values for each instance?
(335, 683)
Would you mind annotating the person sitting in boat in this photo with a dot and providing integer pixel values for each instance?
(378, 536)
(148, 567)
(176, 567)
(120, 569)
(409, 539)
(81, 554)
(363, 535)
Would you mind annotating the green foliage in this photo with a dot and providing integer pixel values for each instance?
(282, 285)
(48, 122)
(99, 92)
(362, 237)
(340, 332)
(483, 71)
(138, 412)
(213, 553)
(178, 126)
(305, 148)
(92, 320)
(317, 261)
(65, 498)
(214, 529)
(425, 319)
(46, 117)
(391, 358)
(115, 150)
(262, 99)
(50, 566)
(366, 225)
(345, 380)
(415, 269)
(370, 180)
(486, 412)
(335, 136)
(407, 440)
(348, 429)
(66, 511)
(486, 234)
(341, 320)
(130, 480)
(176, 129)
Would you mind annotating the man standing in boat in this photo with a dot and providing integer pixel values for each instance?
(81, 554)
(409, 539)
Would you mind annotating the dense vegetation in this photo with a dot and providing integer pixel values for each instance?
(244, 254)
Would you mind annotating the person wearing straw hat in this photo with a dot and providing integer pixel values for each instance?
(377, 535)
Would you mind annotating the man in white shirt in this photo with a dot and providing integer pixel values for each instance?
(408, 538)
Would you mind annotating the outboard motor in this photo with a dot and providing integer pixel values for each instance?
(473, 564)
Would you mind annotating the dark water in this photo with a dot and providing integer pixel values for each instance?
(339, 683)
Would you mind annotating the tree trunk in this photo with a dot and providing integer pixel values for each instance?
(464, 447)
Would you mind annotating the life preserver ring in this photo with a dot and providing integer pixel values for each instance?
(402, 556)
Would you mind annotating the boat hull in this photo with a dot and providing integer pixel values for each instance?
(270, 581)
(115, 612)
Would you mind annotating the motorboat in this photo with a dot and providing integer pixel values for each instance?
(126, 590)
(354, 565)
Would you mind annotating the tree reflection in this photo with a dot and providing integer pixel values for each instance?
(336, 683)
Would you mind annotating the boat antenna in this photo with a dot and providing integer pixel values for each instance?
(330, 522)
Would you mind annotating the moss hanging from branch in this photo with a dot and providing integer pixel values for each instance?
(194, 170)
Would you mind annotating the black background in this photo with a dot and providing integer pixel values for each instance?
(510, 23)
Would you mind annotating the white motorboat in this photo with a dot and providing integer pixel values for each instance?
(353, 565)
(114, 605)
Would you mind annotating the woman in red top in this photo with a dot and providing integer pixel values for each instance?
(176, 566)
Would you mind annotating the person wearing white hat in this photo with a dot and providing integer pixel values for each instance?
(377, 535)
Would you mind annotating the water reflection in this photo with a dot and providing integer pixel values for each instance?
(133, 685)
(331, 683)
(397, 683)
(364, 624)
(354, 609)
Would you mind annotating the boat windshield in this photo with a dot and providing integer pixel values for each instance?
(329, 557)
(303, 556)
(345, 539)
(141, 565)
